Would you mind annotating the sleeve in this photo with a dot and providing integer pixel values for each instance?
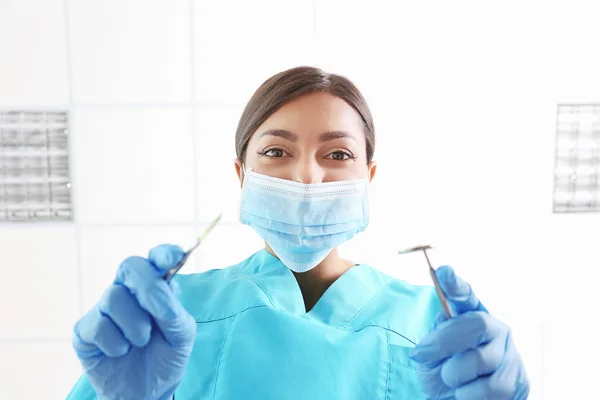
(82, 390)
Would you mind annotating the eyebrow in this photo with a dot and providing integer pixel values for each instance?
(332, 135)
(292, 137)
(282, 133)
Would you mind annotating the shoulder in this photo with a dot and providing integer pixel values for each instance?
(222, 293)
(406, 311)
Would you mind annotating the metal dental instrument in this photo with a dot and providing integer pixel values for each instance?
(445, 305)
(171, 272)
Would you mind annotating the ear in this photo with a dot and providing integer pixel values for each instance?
(372, 168)
(239, 171)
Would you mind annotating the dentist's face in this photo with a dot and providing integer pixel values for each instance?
(313, 139)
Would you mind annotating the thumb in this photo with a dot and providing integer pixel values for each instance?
(182, 329)
(159, 299)
(165, 256)
(457, 291)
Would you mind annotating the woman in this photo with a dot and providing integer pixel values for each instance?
(295, 320)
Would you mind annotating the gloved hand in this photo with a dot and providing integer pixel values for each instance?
(136, 342)
(471, 356)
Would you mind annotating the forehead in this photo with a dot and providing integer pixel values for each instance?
(315, 113)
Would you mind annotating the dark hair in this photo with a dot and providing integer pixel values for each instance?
(288, 85)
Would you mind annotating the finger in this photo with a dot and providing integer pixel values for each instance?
(508, 382)
(432, 385)
(175, 287)
(498, 386)
(479, 389)
(165, 256)
(97, 329)
(123, 309)
(441, 317)
(155, 296)
(457, 291)
(465, 367)
(85, 351)
(145, 283)
(459, 334)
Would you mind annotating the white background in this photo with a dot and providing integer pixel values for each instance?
(464, 96)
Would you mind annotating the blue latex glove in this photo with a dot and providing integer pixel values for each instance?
(136, 342)
(471, 356)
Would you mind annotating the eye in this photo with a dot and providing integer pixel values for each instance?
(340, 156)
(273, 153)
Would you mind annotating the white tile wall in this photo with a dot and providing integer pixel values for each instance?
(527, 336)
(227, 245)
(37, 370)
(103, 250)
(255, 40)
(569, 286)
(465, 126)
(143, 58)
(570, 354)
(345, 45)
(133, 166)
(218, 184)
(40, 292)
(33, 59)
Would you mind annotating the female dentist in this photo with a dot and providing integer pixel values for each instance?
(295, 320)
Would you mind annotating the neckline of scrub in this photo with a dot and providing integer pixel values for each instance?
(340, 303)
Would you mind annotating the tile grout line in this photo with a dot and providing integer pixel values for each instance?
(72, 157)
(69, 104)
(40, 340)
(197, 225)
(117, 106)
(542, 361)
(61, 224)
(192, 49)
(314, 7)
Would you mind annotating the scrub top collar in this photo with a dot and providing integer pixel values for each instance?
(340, 303)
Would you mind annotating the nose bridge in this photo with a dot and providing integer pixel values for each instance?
(308, 170)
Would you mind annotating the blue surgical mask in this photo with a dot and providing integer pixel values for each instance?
(303, 222)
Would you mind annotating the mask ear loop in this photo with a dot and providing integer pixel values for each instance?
(245, 171)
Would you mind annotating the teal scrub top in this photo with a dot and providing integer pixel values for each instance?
(255, 339)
